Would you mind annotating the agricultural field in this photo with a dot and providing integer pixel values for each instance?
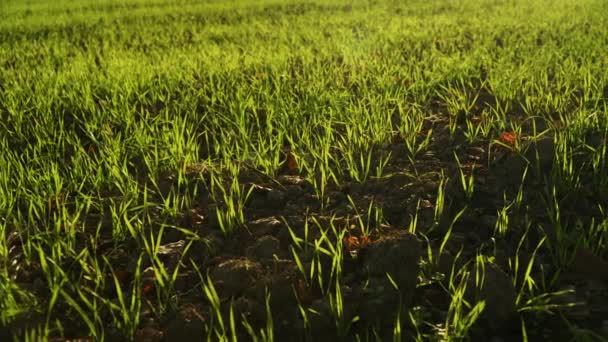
(303, 170)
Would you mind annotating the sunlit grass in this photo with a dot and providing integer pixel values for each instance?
(118, 119)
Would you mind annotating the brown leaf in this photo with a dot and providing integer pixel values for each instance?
(292, 164)
(508, 138)
(303, 292)
(122, 275)
(147, 288)
(364, 241)
(351, 243)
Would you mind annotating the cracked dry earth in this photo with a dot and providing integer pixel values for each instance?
(258, 259)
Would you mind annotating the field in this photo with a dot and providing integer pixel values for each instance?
(297, 170)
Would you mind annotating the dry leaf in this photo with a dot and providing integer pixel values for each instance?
(351, 243)
(122, 275)
(508, 138)
(364, 241)
(303, 292)
(147, 288)
(292, 164)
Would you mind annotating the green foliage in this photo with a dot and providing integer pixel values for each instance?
(100, 100)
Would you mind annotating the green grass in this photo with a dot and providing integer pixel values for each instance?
(123, 121)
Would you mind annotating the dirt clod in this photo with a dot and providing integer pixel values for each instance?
(498, 293)
(392, 266)
(235, 275)
(264, 248)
